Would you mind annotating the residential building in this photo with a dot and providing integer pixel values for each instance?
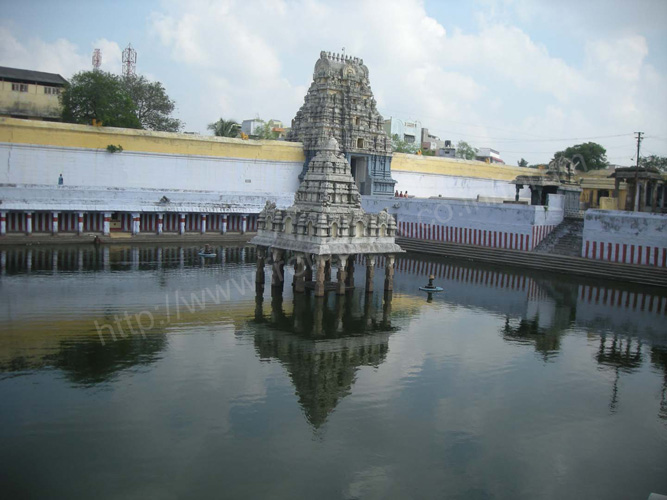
(30, 94)
(489, 155)
(408, 131)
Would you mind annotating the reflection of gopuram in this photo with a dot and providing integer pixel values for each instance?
(326, 225)
(322, 344)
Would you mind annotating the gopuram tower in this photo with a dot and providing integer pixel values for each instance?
(340, 104)
(325, 225)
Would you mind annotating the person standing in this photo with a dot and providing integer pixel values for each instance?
(60, 180)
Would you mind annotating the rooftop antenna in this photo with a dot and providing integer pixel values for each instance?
(129, 61)
(97, 59)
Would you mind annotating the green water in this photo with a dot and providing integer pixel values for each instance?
(148, 372)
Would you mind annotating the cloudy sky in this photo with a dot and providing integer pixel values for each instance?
(526, 77)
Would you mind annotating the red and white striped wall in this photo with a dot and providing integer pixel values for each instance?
(626, 253)
(471, 236)
(623, 299)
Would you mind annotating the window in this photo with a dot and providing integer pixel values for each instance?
(357, 120)
(20, 87)
(360, 143)
(51, 90)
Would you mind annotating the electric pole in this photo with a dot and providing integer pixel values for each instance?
(636, 200)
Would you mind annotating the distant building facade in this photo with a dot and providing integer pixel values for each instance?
(489, 155)
(30, 94)
(408, 131)
(249, 127)
(340, 104)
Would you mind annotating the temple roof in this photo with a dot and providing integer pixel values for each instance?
(326, 217)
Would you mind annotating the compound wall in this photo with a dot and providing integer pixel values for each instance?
(627, 237)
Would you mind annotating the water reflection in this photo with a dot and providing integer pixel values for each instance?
(480, 393)
(322, 343)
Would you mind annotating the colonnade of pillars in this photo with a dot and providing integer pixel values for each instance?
(314, 271)
(28, 222)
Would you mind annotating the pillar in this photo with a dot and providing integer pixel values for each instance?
(386, 309)
(654, 196)
(106, 226)
(244, 224)
(223, 224)
(136, 223)
(342, 264)
(278, 274)
(54, 261)
(299, 275)
(327, 270)
(308, 274)
(349, 272)
(79, 223)
(3, 223)
(54, 223)
(518, 188)
(203, 223)
(3, 261)
(320, 262)
(389, 273)
(28, 223)
(28, 260)
(261, 260)
(370, 272)
(181, 223)
(160, 223)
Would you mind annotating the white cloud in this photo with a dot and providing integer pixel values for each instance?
(495, 79)
(61, 56)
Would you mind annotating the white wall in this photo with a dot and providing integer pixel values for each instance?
(426, 185)
(633, 238)
(33, 164)
(462, 221)
(76, 198)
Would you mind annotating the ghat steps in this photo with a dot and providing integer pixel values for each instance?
(646, 275)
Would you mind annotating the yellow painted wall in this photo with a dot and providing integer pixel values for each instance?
(34, 103)
(458, 168)
(86, 136)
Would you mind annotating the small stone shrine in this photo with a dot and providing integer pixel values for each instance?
(340, 104)
(556, 180)
(326, 224)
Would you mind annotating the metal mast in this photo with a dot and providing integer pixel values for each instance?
(129, 61)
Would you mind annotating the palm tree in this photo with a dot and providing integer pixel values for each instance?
(225, 128)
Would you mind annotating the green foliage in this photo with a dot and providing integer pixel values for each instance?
(265, 131)
(130, 102)
(428, 152)
(153, 106)
(400, 146)
(97, 95)
(659, 162)
(225, 128)
(587, 156)
(522, 163)
(112, 148)
(465, 151)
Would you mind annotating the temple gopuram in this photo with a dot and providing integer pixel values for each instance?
(325, 225)
(340, 104)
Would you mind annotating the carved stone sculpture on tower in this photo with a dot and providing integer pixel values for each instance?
(340, 104)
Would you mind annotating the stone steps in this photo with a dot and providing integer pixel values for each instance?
(647, 275)
(565, 239)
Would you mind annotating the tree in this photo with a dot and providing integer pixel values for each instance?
(465, 151)
(97, 95)
(265, 131)
(225, 128)
(153, 104)
(522, 163)
(659, 162)
(400, 146)
(587, 156)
